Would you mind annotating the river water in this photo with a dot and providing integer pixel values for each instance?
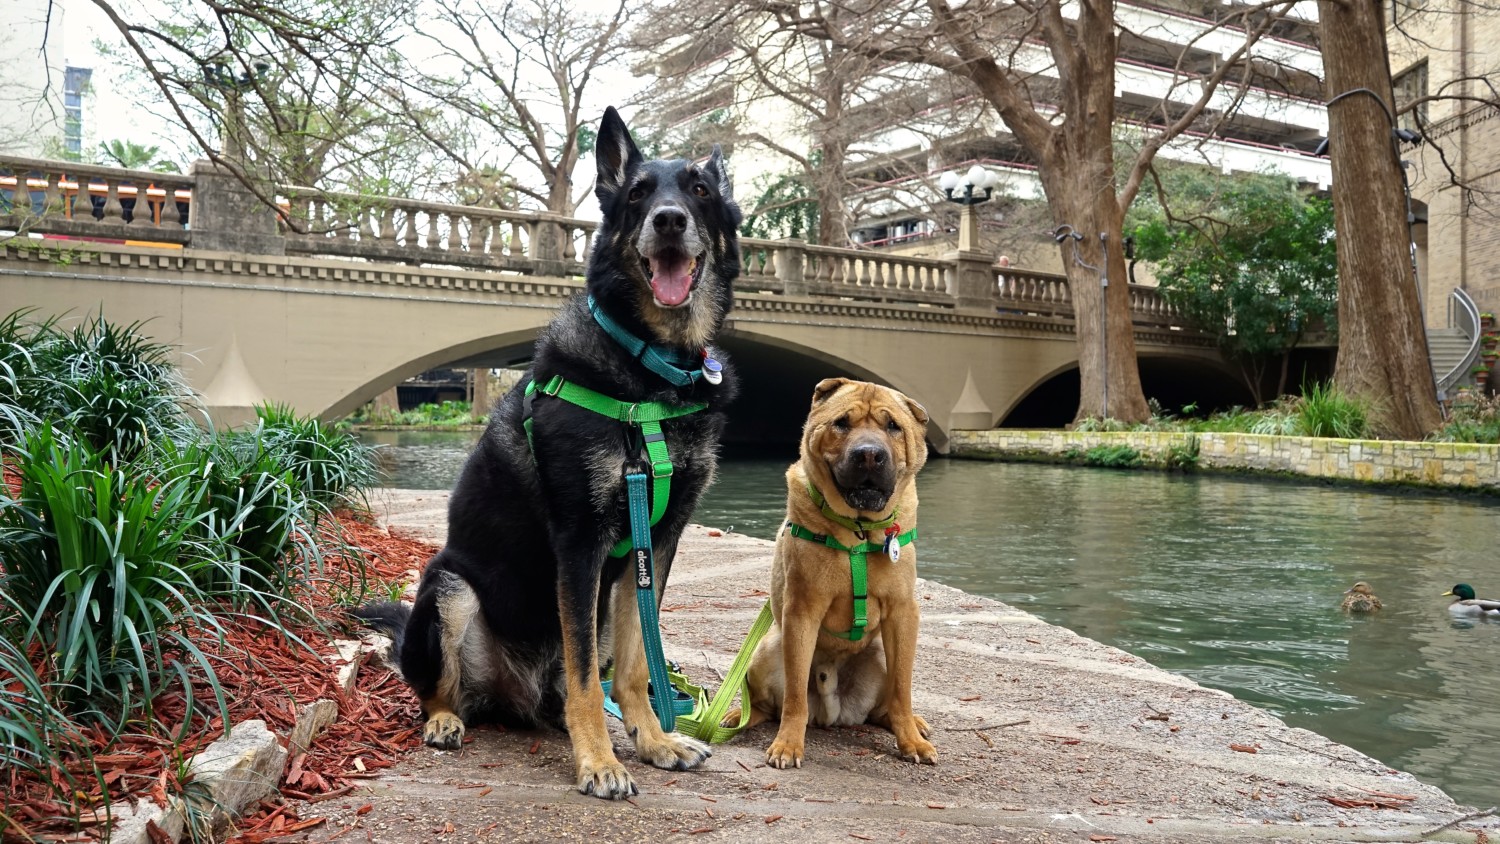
(1235, 583)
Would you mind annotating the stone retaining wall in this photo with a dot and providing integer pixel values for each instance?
(1448, 465)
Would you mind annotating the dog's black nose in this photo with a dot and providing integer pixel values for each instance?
(669, 220)
(869, 456)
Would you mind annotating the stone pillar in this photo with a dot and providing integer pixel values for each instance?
(225, 216)
(791, 266)
(968, 229)
(479, 392)
(971, 279)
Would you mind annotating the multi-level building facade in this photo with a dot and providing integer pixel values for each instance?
(904, 127)
(1445, 68)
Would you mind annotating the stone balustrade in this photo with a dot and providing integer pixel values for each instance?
(325, 223)
(79, 200)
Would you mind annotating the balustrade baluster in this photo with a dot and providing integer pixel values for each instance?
(570, 247)
(368, 228)
(408, 235)
(432, 231)
(52, 199)
(387, 226)
(171, 214)
(20, 198)
(114, 212)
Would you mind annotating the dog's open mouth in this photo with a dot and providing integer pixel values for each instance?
(672, 276)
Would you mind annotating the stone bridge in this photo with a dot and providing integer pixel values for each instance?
(338, 298)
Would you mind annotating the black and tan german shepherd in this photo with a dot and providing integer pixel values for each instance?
(515, 615)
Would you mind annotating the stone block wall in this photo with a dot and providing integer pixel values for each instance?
(1446, 465)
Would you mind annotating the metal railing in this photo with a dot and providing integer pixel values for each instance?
(1463, 314)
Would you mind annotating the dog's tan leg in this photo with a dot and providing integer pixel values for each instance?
(599, 772)
(799, 634)
(900, 634)
(652, 744)
(457, 607)
(444, 729)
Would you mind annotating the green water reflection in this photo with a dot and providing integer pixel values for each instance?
(1234, 583)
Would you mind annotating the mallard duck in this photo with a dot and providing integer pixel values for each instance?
(1359, 598)
(1464, 602)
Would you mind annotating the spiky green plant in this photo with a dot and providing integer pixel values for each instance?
(331, 466)
(1326, 411)
(108, 384)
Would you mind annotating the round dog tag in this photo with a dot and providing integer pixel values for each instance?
(892, 546)
(713, 371)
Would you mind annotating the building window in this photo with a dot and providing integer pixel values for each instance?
(1411, 85)
(75, 83)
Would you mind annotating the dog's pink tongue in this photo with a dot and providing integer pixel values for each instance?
(671, 281)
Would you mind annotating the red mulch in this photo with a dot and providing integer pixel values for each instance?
(264, 677)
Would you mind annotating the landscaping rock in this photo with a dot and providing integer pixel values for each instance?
(311, 722)
(229, 775)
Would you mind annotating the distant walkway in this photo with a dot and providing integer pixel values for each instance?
(1042, 735)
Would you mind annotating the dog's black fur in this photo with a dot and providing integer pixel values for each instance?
(512, 615)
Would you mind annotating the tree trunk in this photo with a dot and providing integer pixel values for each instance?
(833, 229)
(1382, 343)
(1109, 379)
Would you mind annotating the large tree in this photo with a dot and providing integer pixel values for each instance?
(1248, 259)
(1058, 102)
(520, 84)
(278, 93)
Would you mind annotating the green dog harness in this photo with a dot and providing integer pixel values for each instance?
(891, 546)
(646, 416)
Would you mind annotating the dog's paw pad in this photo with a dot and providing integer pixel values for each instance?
(444, 731)
(673, 751)
(921, 752)
(784, 753)
(609, 781)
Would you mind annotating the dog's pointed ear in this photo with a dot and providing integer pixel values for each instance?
(718, 168)
(826, 388)
(615, 153)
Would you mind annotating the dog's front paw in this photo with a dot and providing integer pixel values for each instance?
(920, 751)
(445, 731)
(608, 780)
(785, 753)
(922, 727)
(673, 751)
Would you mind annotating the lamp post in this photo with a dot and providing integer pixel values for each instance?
(218, 75)
(964, 190)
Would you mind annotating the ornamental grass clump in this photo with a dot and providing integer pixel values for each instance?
(133, 541)
(1326, 411)
(100, 566)
(332, 467)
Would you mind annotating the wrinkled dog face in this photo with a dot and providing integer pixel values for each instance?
(864, 439)
(671, 226)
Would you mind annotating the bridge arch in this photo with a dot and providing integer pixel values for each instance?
(494, 350)
(1172, 377)
(777, 378)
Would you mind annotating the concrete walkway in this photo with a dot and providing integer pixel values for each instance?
(1042, 735)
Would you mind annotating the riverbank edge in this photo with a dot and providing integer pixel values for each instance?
(1459, 467)
(1043, 735)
